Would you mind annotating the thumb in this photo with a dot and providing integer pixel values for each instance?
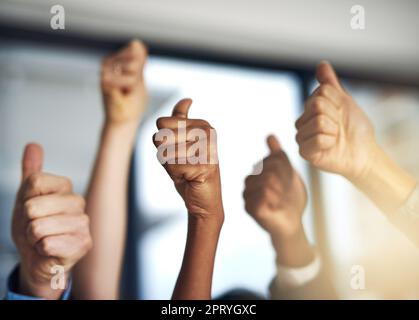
(325, 74)
(181, 109)
(32, 160)
(273, 144)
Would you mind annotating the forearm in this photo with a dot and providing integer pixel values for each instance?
(195, 277)
(384, 182)
(97, 275)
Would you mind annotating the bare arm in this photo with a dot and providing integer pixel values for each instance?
(98, 275)
(195, 276)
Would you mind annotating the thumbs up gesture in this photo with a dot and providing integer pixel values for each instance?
(277, 197)
(334, 134)
(49, 226)
(187, 148)
(123, 86)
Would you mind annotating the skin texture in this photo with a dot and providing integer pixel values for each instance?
(276, 199)
(335, 135)
(49, 226)
(200, 187)
(125, 97)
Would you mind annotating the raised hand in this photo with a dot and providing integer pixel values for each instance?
(123, 87)
(124, 92)
(49, 226)
(334, 134)
(187, 148)
(277, 197)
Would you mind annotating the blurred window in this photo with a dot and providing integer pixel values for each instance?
(244, 106)
(49, 95)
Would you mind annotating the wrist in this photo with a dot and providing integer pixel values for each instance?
(122, 134)
(373, 156)
(35, 286)
(126, 127)
(384, 182)
(293, 250)
(213, 221)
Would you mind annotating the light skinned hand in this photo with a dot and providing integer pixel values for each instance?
(49, 226)
(123, 87)
(334, 134)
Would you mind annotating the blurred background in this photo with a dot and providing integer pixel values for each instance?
(251, 61)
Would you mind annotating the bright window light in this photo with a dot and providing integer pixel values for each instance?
(244, 106)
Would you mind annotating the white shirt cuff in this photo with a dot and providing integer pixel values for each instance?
(297, 277)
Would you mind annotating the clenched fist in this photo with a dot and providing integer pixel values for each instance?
(187, 148)
(277, 197)
(123, 87)
(49, 226)
(334, 134)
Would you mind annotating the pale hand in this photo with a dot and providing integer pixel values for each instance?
(49, 227)
(123, 87)
(334, 134)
